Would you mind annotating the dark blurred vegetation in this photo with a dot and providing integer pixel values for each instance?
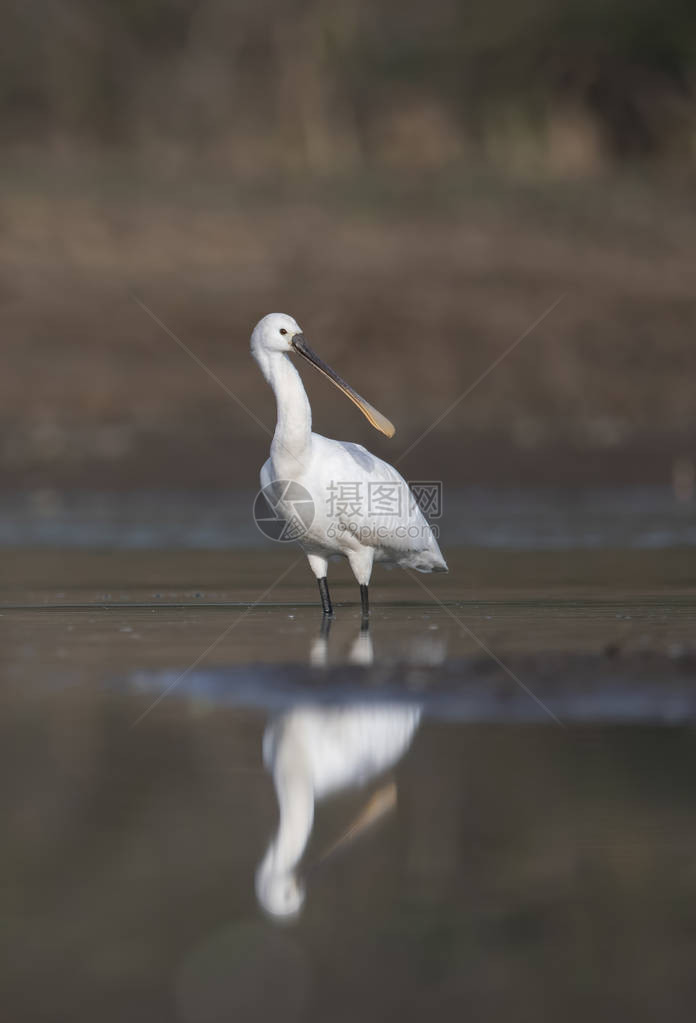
(416, 183)
(326, 84)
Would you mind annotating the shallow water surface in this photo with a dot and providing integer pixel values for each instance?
(481, 806)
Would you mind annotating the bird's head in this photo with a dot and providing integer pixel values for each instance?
(280, 893)
(274, 333)
(280, 333)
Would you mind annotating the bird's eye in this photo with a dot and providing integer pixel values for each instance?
(283, 330)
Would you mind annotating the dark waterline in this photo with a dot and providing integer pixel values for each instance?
(541, 519)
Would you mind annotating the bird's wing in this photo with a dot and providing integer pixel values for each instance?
(388, 510)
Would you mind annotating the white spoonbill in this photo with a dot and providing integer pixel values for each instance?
(362, 507)
(315, 752)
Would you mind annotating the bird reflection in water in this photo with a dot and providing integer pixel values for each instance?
(315, 751)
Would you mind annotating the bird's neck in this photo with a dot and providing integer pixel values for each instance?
(295, 794)
(293, 432)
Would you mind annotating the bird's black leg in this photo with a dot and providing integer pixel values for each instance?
(325, 598)
(365, 602)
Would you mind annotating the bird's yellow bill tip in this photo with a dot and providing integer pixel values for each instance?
(373, 416)
(385, 426)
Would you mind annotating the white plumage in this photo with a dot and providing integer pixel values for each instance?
(314, 752)
(363, 509)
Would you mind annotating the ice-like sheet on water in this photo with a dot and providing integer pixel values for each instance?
(567, 689)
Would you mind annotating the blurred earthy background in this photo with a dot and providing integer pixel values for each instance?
(421, 185)
(416, 183)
